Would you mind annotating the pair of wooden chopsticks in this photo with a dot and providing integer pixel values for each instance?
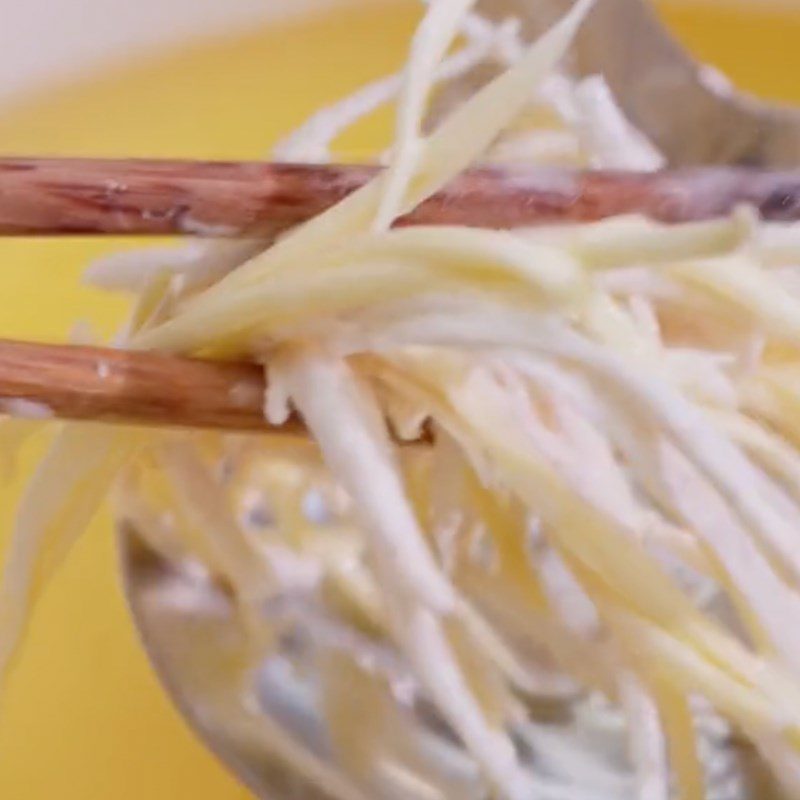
(44, 197)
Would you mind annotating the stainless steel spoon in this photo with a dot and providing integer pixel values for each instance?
(210, 665)
(238, 685)
(688, 110)
(244, 708)
(265, 720)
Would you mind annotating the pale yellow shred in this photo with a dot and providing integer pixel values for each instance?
(14, 432)
(64, 494)
(678, 722)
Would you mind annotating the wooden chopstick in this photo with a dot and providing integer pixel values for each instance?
(59, 196)
(141, 388)
(101, 384)
(95, 196)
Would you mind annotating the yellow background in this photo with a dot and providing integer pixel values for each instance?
(83, 718)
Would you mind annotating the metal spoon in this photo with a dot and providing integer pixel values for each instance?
(240, 690)
(265, 719)
(254, 718)
(689, 111)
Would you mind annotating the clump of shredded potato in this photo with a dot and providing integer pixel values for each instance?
(606, 523)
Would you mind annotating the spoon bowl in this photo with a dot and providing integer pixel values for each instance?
(210, 666)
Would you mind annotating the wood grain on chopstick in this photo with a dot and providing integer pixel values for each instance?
(40, 196)
(100, 384)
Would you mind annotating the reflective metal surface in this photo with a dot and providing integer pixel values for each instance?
(252, 688)
(218, 676)
(688, 110)
(243, 693)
